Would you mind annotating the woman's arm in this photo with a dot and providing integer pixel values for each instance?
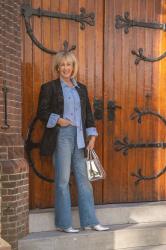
(44, 112)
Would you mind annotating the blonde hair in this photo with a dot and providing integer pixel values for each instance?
(70, 57)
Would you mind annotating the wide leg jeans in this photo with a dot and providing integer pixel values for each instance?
(67, 156)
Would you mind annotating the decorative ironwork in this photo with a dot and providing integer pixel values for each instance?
(138, 114)
(98, 109)
(140, 56)
(29, 146)
(141, 177)
(66, 47)
(126, 23)
(111, 107)
(5, 91)
(84, 18)
(125, 145)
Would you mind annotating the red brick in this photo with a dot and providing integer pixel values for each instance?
(14, 130)
(12, 191)
(9, 205)
(3, 149)
(13, 167)
(14, 177)
(4, 218)
(14, 116)
(5, 178)
(12, 139)
(15, 152)
(14, 97)
(9, 198)
(9, 184)
(4, 191)
(3, 156)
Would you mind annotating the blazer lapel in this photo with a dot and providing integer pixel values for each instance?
(58, 93)
(82, 101)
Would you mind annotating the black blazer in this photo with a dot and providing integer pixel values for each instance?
(51, 101)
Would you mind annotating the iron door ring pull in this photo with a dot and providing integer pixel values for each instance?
(29, 146)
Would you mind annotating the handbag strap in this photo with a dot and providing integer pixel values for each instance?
(89, 155)
(94, 155)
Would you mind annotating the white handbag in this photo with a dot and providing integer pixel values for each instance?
(95, 170)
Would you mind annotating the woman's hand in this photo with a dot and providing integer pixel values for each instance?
(91, 143)
(64, 122)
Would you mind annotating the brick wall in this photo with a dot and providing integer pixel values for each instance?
(13, 166)
(0, 196)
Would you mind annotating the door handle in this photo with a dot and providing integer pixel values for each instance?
(111, 108)
(98, 109)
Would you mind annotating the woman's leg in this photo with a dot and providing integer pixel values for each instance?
(85, 191)
(62, 162)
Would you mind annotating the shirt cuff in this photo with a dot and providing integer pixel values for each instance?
(91, 131)
(52, 120)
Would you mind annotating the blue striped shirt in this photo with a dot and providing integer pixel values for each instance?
(72, 112)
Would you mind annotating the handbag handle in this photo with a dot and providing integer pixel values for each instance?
(89, 155)
(92, 154)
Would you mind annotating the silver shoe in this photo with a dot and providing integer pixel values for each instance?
(68, 230)
(100, 228)
(97, 227)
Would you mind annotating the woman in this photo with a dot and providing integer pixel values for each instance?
(65, 109)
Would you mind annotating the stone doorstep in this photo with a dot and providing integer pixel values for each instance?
(125, 236)
(4, 245)
(160, 247)
(43, 219)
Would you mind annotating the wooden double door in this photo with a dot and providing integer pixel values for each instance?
(106, 66)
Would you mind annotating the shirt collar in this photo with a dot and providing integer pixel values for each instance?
(64, 84)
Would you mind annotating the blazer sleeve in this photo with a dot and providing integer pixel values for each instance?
(44, 103)
(89, 115)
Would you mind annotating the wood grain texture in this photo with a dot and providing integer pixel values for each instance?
(106, 67)
(130, 85)
(52, 34)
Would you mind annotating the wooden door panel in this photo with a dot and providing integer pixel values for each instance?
(107, 67)
(130, 86)
(38, 69)
(161, 101)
